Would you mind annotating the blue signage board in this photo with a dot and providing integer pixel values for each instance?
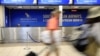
(54, 2)
(32, 18)
(86, 2)
(74, 18)
(19, 2)
(39, 17)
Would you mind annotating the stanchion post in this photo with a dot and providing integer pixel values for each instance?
(27, 47)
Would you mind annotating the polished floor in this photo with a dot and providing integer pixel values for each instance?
(21, 49)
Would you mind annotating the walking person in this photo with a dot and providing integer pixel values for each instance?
(52, 25)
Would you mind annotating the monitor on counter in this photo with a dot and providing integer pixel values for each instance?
(86, 2)
(18, 2)
(54, 2)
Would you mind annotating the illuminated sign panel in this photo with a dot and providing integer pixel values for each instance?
(87, 2)
(19, 2)
(54, 2)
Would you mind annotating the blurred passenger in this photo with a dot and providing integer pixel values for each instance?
(93, 23)
(52, 25)
(82, 40)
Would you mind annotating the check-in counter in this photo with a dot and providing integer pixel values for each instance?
(20, 34)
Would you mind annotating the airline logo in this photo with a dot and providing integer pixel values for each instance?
(27, 15)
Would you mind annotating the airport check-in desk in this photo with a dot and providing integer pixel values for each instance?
(20, 34)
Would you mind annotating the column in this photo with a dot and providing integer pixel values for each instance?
(2, 19)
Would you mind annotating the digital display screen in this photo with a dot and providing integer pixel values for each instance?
(54, 2)
(87, 2)
(19, 2)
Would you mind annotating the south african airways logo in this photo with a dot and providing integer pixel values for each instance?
(27, 15)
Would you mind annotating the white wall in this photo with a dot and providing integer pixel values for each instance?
(2, 16)
(2, 19)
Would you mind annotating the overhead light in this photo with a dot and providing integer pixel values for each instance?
(76, 6)
(34, 7)
(74, 10)
(19, 7)
(41, 7)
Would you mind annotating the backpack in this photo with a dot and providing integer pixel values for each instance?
(82, 41)
(32, 54)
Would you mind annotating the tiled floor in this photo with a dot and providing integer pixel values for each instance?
(17, 49)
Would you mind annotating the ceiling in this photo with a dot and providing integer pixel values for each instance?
(47, 7)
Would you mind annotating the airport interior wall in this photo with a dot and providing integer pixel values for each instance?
(34, 22)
